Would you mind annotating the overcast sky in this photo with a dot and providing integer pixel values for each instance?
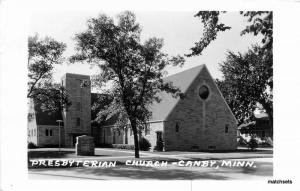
(180, 30)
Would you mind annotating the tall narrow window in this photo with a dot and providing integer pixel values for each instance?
(50, 132)
(47, 132)
(226, 128)
(177, 127)
(77, 121)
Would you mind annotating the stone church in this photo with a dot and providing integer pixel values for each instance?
(201, 120)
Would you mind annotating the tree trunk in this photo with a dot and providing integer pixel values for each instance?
(136, 140)
(136, 146)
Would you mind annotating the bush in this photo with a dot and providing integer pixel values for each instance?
(144, 144)
(252, 144)
(123, 146)
(241, 141)
(31, 145)
(267, 142)
(105, 145)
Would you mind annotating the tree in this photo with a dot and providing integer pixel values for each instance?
(248, 81)
(52, 97)
(134, 69)
(212, 27)
(248, 78)
(43, 54)
(260, 23)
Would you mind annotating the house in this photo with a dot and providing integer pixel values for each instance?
(259, 127)
(201, 120)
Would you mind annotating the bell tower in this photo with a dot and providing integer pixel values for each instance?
(77, 118)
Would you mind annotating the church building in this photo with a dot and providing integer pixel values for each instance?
(201, 120)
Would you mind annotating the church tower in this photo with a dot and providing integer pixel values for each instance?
(77, 118)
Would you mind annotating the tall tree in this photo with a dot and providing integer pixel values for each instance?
(134, 69)
(248, 78)
(260, 23)
(248, 81)
(212, 27)
(43, 54)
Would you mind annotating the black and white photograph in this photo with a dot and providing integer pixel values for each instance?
(150, 95)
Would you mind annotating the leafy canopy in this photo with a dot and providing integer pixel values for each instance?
(248, 81)
(260, 23)
(134, 69)
(43, 54)
(248, 78)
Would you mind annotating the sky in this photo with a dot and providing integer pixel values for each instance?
(180, 30)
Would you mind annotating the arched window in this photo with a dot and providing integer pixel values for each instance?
(203, 92)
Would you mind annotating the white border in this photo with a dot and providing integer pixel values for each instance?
(13, 87)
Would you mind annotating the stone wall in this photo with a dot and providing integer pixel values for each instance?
(51, 140)
(80, 96)
(85, 145)
(201, 123)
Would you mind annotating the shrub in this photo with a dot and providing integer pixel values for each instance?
(241, 141)
(31, 145)
(252, 144)
(269, 141)
(123, 146)
(144, 144)
(105, 145)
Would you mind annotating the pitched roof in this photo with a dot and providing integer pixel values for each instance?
(182, 80)
(161, 110)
